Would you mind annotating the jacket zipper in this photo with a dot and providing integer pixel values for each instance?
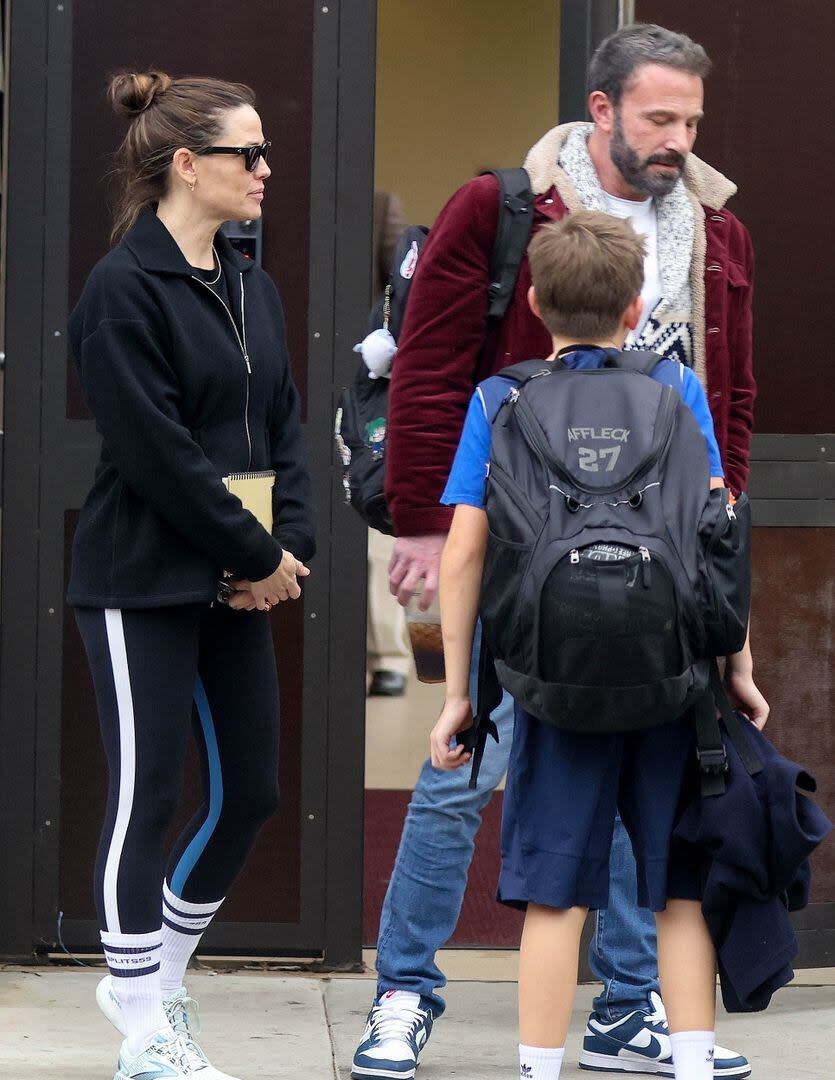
(242, 343)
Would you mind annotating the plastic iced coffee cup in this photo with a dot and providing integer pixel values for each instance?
(426, 640)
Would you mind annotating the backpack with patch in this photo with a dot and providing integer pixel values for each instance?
(360, 424)
(606, 578)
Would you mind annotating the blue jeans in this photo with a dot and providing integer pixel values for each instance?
(427, 885)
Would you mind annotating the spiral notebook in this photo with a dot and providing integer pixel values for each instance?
(255, 490)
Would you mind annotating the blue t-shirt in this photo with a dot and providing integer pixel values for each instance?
(469, 470)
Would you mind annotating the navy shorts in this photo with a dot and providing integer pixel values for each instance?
(563, 791)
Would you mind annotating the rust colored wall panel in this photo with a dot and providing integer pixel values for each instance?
(761, 130)
(793, 640)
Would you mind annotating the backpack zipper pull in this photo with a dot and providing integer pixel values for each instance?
(574, 556)
(645, 567)
(729, 510)
(509, 402)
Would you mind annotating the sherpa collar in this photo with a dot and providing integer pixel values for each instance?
(701, 180)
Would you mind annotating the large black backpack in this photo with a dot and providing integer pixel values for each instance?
(611, 577)
(361, 418)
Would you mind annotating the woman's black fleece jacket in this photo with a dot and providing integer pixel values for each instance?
(183, 391)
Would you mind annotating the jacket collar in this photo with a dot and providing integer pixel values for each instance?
(707, 184)
(156, 250)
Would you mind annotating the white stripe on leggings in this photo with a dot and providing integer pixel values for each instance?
(127, 764)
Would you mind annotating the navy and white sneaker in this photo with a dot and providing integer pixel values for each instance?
(640, 1043)
(395, 1034)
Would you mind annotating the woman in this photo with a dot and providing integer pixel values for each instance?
(181, 347)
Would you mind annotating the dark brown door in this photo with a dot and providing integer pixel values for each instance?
(311, 67)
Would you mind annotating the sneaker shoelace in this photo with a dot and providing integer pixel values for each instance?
(395, 1022)
(184, 1016)
(174, 1052)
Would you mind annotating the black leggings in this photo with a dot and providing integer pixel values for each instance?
(154, 670)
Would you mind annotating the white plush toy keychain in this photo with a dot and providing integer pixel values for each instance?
(378, 348)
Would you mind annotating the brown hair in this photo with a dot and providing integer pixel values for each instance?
(165, 114)
(586, 270)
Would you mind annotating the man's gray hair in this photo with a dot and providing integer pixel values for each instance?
(616, 58)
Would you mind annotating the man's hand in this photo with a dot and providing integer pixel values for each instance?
(416, 559)
(282, 584)
(456, 715)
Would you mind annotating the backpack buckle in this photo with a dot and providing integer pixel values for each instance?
(713, 762)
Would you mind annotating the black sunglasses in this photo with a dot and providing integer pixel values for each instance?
(251, 154)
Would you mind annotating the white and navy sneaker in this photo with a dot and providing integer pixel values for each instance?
(165, 1059)
(184, 1017)
(640, 1043)
(395, 1034)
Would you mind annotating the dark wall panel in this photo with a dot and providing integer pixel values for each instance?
(268, 889)
(266, 45)
(762, 129)
(269, 46)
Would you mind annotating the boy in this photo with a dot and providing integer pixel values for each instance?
(563, 787)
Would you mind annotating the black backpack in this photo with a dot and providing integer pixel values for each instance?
(611, 577)
(360, 424)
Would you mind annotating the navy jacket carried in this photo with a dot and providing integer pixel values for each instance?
(184, 391)
(754, 842)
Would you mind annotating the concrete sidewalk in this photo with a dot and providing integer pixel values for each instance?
(299, 1027)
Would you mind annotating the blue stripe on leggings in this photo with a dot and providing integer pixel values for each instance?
(188, 859)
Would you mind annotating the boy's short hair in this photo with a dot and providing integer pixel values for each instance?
(586, 270)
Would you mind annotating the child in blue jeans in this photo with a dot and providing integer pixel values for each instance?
(564, 787)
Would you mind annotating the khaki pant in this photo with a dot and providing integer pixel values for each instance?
(387, 641)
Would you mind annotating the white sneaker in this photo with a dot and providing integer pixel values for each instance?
(165, 1059)
(183, 1015)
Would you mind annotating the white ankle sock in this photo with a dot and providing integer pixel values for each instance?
(540, 1062)
(133, 960)
(693, 1054)
(183, 925)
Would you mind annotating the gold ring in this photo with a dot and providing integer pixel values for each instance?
(267, 606)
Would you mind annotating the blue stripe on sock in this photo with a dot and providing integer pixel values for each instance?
(188, 859)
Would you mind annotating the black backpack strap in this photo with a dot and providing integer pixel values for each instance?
(513, 233)
(474, 739)
(710, 748)
(634, 360)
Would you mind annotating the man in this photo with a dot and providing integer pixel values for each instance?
(634, 160)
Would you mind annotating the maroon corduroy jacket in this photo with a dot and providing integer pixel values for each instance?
(442, 353)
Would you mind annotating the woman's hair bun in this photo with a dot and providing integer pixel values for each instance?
(131, 93)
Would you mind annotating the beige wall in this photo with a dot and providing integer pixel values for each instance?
(461, 86)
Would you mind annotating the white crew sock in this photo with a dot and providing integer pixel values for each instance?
(540, 1062)
(183, 925)
(693, 1054)
(133, 960)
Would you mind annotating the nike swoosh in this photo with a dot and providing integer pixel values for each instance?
(651, 1050)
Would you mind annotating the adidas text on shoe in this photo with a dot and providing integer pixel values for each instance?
(396, 1031)
(640, 1043)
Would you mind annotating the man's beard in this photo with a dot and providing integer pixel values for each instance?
(637, 172)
